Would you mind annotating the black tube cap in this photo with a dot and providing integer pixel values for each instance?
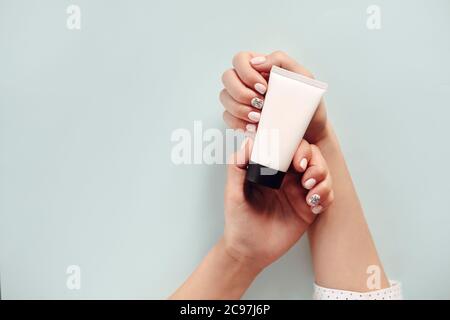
(265, 176)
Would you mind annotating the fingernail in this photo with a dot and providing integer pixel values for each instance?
(310, 183)
(303, 164)
(250, 127)
(254, 116)
(314, 200)
(258, 60)
(317, 209)
(260, 88)
(257, 103)
(244, 143)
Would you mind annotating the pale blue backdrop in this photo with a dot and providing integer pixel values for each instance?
(86, 119)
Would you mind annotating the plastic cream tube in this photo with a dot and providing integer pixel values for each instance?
(290, 103)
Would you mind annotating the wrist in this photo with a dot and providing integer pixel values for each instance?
(220, 275)
(223, 276)
(246, 266)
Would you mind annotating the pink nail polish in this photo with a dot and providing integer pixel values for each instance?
(303, 164)
(317, 209)
(258, 60)
(250, 127)
(310, 183)
(257, 103)
(314, 200)
(260, 88)
(254, 116)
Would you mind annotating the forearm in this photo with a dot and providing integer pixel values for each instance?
(341, 244)
(219, 276)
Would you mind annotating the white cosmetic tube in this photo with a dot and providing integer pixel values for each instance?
(290, 103)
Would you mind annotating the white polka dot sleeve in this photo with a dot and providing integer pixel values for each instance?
(394, 292)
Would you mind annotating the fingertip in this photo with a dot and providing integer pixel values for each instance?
(313, 200)
(310, 183)
(302, 156)
(257, 103)
(258, 60)
(251, 128)
(320, 195)
(317, 209)
(303, 164)
(260, 88)
(324, 204)
(313, 175)
(245, 68)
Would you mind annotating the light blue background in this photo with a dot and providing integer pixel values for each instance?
(86, 119)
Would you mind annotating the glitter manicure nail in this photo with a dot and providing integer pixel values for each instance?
(257, 103)
(314, 200)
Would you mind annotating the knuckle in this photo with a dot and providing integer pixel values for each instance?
(238, 56)
(226, 75)
(304, 152)
(222, 94)
(231, 120)
(241, 96)
(225, 116)
(307, 148)
(279, 54)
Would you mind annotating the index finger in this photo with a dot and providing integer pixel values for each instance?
(280, 59)
(248, 75)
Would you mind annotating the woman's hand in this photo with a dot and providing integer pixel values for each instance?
(245, 85)
(261, 224)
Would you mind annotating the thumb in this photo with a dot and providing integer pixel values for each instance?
(238, 162)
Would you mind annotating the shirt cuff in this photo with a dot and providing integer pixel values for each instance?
(394, 292)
